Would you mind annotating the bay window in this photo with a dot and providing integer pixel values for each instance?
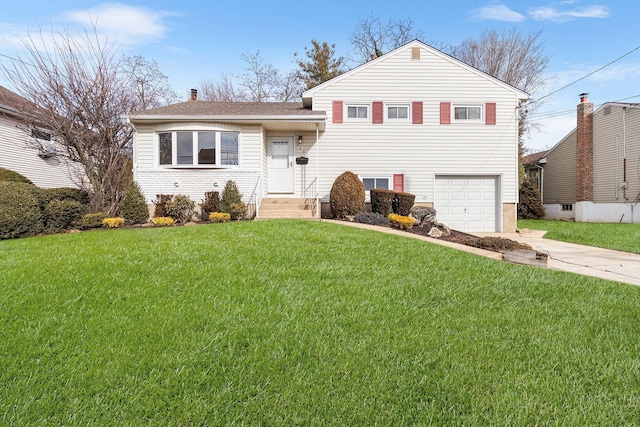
(192, 148)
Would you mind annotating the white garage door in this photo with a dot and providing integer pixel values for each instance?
(467, 203)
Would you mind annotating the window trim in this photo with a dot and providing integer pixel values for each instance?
(358, 105)
(195, 150)
(398, 105)
(479, 120)
(389, 179)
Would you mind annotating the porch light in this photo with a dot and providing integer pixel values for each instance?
(299, 139)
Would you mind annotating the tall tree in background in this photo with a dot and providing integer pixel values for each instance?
(260, 82)
(321, 64)
(82, 90)
(149, 85)
(221, 90)
(516, 59)
(373, 37)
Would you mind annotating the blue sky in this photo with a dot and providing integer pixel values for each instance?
(194, 40)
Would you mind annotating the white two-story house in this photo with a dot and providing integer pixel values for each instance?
(413, 120)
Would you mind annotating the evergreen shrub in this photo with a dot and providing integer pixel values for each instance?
(160, 204)
(530, 205)
(92, 220)
(20, 212)
(181, 208)
(62, 215)
(134, 208)
(231, 202)
(9, 175)
(347, 195)
(381, 201)
(402, 203)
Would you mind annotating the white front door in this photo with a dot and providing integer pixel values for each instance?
(280, 174)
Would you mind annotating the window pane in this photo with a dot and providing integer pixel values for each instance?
(362, 112)
(382, 183)
(165, 148)
(473, 113)
(460, 113)
(185, 147)
(393, 112)
(369, 183)
(229, 148)
(403, 112)
(352, 112)
(206, 148)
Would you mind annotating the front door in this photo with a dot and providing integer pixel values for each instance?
(280, 154)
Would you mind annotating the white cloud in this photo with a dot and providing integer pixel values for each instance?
(551, 13)
(124, 23)
(497, 12)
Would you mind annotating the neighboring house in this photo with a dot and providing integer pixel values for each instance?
(17, 152)
(413, 120)
(593, 173)
(533, 164)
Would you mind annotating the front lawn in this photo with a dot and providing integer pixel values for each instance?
(304, 323)
(621, 237)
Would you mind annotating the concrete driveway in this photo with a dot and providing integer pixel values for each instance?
(604, 263)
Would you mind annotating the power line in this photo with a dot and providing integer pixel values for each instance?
(590, 74)
(554, 114)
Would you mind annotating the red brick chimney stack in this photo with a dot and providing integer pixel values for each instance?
(584, 150)
(194, 94)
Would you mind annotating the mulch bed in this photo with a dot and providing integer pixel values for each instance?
(496, 244)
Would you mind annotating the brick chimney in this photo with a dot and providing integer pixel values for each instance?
(194, 94)
(584, 150)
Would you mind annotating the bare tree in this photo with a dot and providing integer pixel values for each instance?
(82, 90)
(148, 83)
(260, 82)
(373, 37)
(321, 64)
(222, 89)
(516, 59)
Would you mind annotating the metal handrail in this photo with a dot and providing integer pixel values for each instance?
(311, 197)
(255, 199)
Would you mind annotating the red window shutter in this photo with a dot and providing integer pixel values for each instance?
(377, 113)
(445, 113)
(416, 112)
(398, 183)
(337, 111)
(490, 113)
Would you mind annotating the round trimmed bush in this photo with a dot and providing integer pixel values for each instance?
(20, 213)
(63, 214)
(134, 207)
(9, 175)
(347, 195)
(92, 220)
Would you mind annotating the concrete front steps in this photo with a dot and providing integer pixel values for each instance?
(283, 207)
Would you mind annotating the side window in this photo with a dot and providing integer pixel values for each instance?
(468, 113)
(376, 182)
(357, 112)
(165, 148)
(398, 112)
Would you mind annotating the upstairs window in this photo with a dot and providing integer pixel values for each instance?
(467, 113)
(198, 148)
(40, 134)
(357, 112)
(397, 112)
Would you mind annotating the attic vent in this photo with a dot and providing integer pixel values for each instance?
(607, 110)
(415, 53)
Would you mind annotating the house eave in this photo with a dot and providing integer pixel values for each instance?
(320, 118)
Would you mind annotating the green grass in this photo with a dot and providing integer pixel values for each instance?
(621, 237)
(304, 323)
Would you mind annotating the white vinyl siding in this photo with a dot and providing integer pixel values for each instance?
(18, 156)
(420, 152)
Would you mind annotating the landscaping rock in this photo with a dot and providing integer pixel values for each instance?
(423, 214)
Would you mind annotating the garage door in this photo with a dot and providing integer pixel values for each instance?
(467, 203)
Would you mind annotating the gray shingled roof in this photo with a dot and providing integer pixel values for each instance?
(12, 102)
(534, 157)
(247, 109)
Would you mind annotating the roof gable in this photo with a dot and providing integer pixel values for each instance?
(308, 94)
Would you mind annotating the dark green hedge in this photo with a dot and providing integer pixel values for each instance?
(20, 212)
(9, 175)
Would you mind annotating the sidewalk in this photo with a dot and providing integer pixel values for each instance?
(587, 260)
